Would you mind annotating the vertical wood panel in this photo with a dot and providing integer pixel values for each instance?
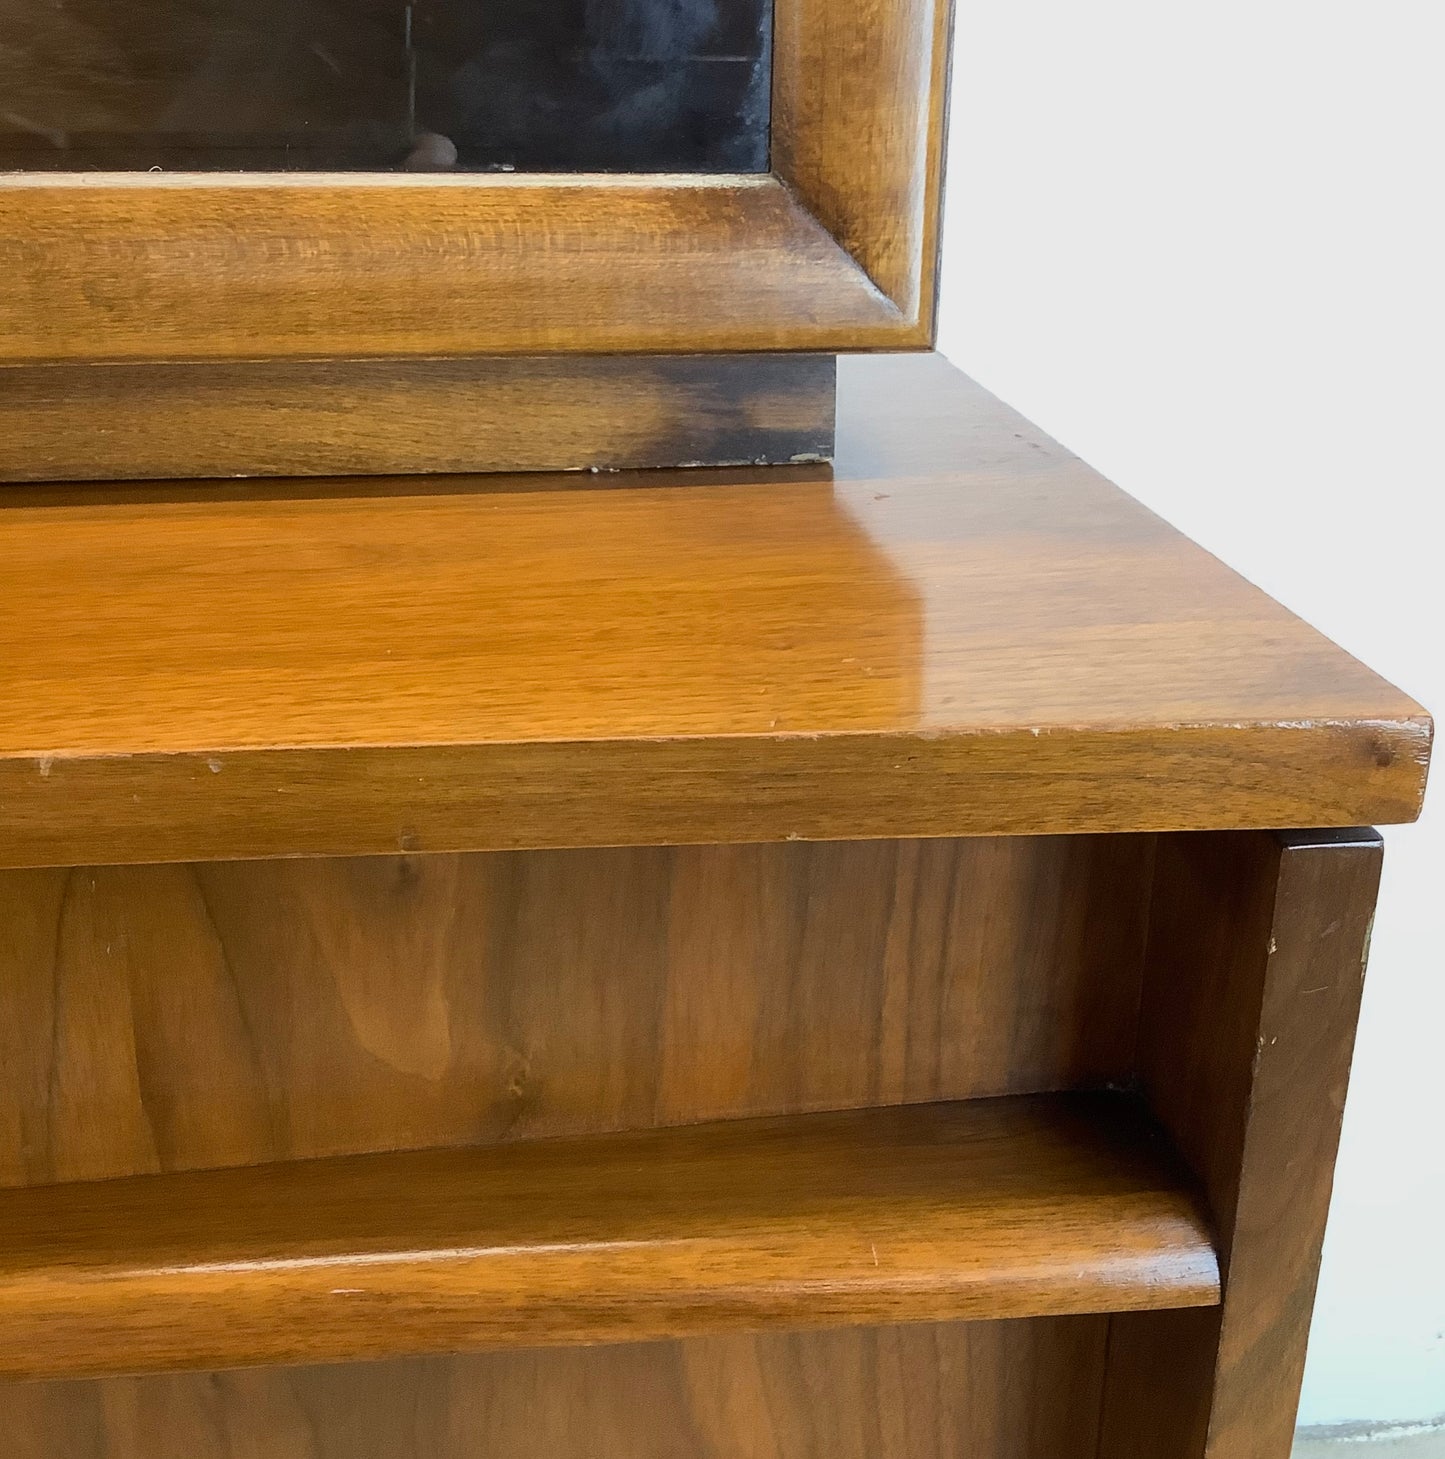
(1005, 1390)
(1251, 994)
(169, 1018)
(859, 100)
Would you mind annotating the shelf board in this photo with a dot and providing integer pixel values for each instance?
(959, 630)
(982, 1209)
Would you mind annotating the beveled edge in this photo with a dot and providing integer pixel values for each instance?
(208, 268)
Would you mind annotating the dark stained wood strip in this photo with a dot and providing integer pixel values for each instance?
(339, 417)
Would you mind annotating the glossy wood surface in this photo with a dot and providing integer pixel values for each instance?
(1255, 965)
(1005, 1390)
(308, 418)
(172, 1018)
(1042, 1206)
(962, 631)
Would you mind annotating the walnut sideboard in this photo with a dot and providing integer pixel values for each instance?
(758, 964)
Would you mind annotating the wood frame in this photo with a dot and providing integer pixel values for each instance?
(833, 250)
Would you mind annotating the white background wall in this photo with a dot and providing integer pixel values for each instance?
(1203, 246)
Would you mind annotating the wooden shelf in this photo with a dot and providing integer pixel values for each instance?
(982, 1209)
(960, 630)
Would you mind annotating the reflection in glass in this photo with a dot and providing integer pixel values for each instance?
(466, 85)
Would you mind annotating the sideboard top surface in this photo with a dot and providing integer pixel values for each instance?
(960, 629)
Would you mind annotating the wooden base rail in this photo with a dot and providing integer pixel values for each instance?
(977, 1209)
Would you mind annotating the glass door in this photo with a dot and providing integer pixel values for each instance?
(385, 85)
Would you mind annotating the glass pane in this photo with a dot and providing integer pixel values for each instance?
(382, 85)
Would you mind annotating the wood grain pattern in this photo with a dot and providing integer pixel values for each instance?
(171, 1018)
(216, 267)
(965, 631)
(1006, 1390)
(289, 418)
(1252, 992)
(82, 79)
(1042, 1206)
(859, 101)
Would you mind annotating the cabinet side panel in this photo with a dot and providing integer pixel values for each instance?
(1004, 1390)
(179, 1017)
(1251, 995)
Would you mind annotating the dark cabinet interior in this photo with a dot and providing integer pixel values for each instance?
(380, 85)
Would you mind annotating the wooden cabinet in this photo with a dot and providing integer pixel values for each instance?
(684, 966)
